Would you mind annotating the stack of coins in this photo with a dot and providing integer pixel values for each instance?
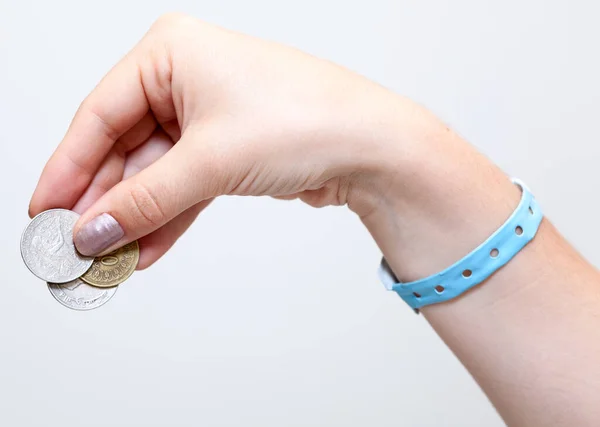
(75, 281)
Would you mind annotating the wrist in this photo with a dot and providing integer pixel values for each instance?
(432, 198)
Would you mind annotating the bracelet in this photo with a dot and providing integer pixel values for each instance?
(518, 230)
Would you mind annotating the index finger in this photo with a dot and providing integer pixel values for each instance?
(113, 107)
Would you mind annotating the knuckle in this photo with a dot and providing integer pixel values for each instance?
(171, 22)
(168, 31)
(145, 206)
(101, 117)
(168, 19)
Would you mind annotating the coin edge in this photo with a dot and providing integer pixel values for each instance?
(79, 309)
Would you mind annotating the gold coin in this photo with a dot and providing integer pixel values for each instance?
(113, 269)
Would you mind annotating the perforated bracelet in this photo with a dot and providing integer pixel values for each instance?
(518, 230)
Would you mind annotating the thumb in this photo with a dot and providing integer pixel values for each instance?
(148, 200)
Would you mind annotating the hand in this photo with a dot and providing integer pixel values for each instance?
(194, 112)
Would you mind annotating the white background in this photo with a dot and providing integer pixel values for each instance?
(269, 313)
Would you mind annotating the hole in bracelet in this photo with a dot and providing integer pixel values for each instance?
(519, 230)
(494, 253)
(530, 210)
(418, 295)
(467, 273)
(439, 289)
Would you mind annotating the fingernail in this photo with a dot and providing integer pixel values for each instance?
(97, 235)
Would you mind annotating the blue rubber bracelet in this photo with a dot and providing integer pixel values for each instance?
(518, 230)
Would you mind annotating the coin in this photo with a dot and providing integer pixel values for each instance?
(78, 295)
(114, 268)
(48, 250)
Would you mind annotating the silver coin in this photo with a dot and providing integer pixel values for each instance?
(78, 295)
(48, 250)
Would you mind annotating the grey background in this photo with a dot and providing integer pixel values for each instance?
(269, 313)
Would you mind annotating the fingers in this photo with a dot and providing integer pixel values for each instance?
(114, 107)
(107, 176)
(114, 167)
(157, 243)
(149, 199)
(139, 133)
(118, 166)
(144, 155)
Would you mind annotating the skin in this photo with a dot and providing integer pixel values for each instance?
(194, 112)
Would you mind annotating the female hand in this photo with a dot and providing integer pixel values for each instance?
(231, 115)
(195, 112)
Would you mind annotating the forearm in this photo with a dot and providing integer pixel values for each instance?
(528, 333)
